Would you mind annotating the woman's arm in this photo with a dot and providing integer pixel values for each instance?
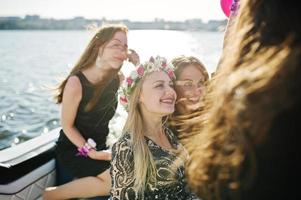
(71, 98)
(100, 155)
(228, 30)
(122, 172)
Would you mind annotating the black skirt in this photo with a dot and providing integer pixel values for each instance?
(80, 166)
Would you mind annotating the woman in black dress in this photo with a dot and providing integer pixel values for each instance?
(88, 98)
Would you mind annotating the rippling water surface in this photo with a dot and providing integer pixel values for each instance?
(32, 62)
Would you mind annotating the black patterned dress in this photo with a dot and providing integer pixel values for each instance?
(92, 124)
(170, 182)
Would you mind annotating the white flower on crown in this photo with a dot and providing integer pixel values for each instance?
(151, 67)
(134, 75)
(158, 64)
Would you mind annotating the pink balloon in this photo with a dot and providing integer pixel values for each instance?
(226, 6)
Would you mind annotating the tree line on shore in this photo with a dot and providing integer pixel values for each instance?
(35, 22)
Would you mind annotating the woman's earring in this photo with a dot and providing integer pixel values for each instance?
(98, 62)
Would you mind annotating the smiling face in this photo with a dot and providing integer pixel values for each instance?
(115, 52)
(157, 95)
(190, 87)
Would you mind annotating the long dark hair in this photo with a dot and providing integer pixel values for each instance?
(259, 77)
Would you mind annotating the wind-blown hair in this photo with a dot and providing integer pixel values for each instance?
(144, 166)
(258, 78)
(88, 58)
(187, 125)
(181, 62)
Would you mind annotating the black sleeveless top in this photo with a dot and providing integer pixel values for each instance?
(92, 124)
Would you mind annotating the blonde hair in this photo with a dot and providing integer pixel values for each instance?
(88, 58)
(144, 166)
(187, 125)
(182, 61)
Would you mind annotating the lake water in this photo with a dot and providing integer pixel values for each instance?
(31, 62)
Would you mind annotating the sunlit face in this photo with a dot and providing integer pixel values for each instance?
(115, 52)
(157, 95)
(190, 88)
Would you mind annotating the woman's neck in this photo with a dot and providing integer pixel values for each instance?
(154, 130)
(153, 126)
(96, 75)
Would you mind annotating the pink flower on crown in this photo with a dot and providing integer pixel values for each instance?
(171, 74)
(123, 99)
(154, 64)
(140, 70)
(129, 81)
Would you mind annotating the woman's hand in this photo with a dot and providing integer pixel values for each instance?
(133, 57)
(100, 155)
(121, 77)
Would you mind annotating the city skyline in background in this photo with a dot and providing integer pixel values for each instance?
(134, 10)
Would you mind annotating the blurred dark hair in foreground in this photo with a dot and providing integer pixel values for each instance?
(248, 147)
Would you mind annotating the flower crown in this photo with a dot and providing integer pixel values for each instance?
(157, 64)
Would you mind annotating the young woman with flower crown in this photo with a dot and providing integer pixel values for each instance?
(88, 97)
(148, 161)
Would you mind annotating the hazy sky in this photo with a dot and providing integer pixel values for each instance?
(140, 10)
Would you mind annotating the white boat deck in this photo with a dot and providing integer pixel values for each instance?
(31, 185)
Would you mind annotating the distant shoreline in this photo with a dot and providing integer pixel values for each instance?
(35, 22)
